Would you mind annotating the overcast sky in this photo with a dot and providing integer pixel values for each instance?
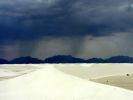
(82, 28)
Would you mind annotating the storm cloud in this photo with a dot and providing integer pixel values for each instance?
(29, 19)
(101, 28)
(83, 47)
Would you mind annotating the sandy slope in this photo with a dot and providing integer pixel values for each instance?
(110, 74)
(123, 81)
(49, 83)
(11, 71)
(92, 71)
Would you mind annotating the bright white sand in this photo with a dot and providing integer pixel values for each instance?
(49, 82)
(10, 71)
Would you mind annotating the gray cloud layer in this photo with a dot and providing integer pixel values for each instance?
(102, 28)
(28, 19)
(84, 47)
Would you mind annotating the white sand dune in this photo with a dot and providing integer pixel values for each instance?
(10, 71)
(94, 71)
(50, 83)
(124, 81)
(110, 74)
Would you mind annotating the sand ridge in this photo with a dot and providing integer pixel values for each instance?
(50, 83)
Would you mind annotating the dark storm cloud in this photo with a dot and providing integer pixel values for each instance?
(32, 19)
(83, 47)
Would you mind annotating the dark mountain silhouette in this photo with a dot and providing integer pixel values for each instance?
(119, 59)
(3, 61)
(95, 60)
(26, 60)
(64, 59)
(67, 59)
(70, 59)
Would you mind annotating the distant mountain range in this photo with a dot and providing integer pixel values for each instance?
(67, 59)
(3, 61)
(26, 60)
(63, 59)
